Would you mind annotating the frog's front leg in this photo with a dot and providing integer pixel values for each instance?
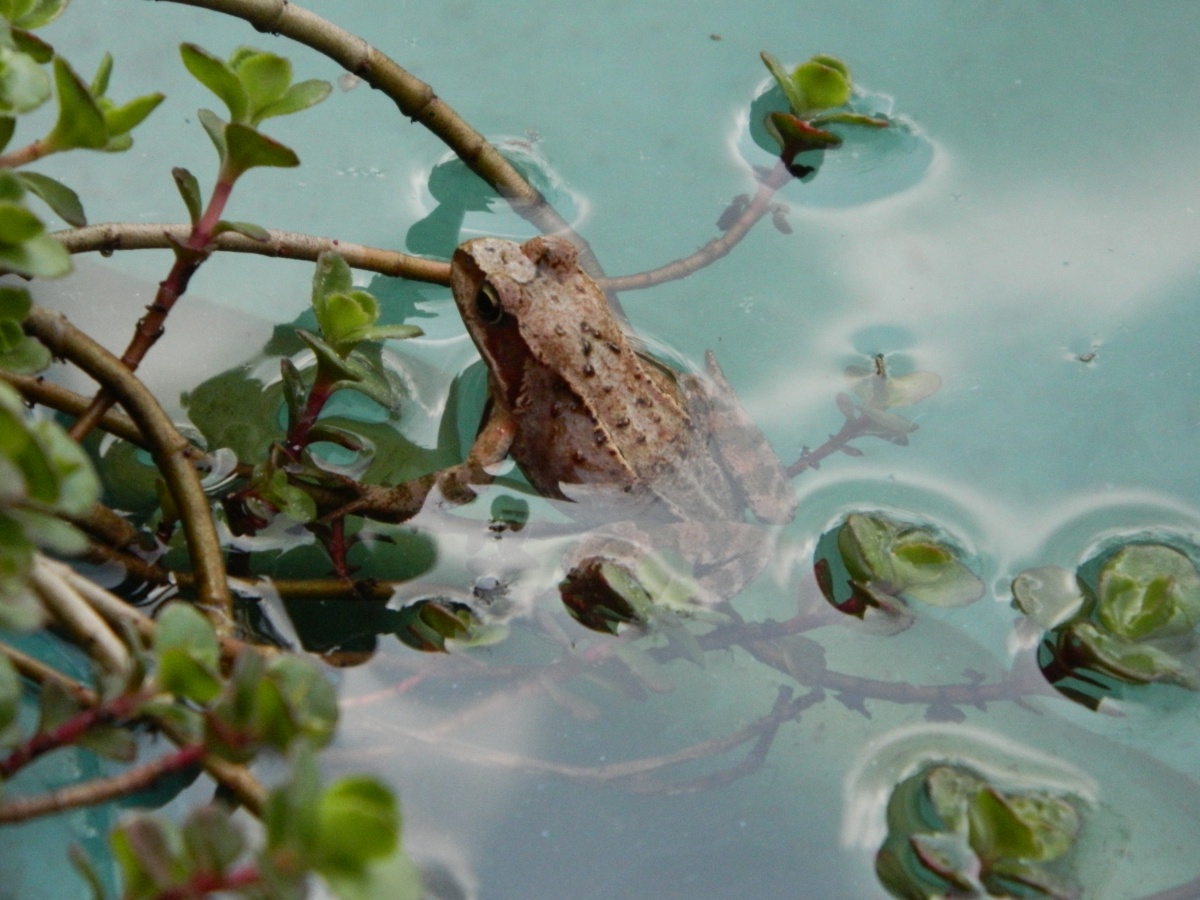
(491, 446)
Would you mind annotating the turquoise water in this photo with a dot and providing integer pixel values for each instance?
(1042, 213)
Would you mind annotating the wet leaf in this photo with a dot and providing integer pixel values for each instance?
(820, 84)
(1049, 595)
(187, 653)
(1148, 590)
(1135, 663)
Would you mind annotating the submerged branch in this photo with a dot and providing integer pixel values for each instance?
(714, 249)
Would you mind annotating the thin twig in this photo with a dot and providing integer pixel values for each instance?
(714, 249)
(101, 790)
(36, 389)
(236, 778)
(112, 236)
(168, 447)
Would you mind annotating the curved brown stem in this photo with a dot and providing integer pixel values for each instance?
(46, 393)
(714, 249)
(113, 236)
(169, 448)
(414, 98)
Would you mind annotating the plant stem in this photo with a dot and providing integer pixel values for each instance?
(151, 326)
(169, 448)
(235, 778)
(23, 155)
(115, 712)
(113, 236)
(101, 790)
(38, 390)
(714, 249)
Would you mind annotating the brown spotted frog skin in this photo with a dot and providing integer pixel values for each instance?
(585, 414)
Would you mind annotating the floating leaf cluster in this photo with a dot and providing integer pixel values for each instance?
(888, 563)
(953, 834)
(1134, 624)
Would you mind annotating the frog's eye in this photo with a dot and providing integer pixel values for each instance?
(487, 303)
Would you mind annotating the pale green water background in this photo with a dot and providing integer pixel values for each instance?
(1057, 217)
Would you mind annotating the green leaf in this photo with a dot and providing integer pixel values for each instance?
(38, 13)
(339, 315)
(1133, 663)
(328, 357)
(783, 78)
(24, 84)
(80, 122)
(99, 85)
(15, 303)
(996, 830)
(212, 841)
(332, 276)
(188, 654)
(1148, 590)
(265, 77)
(298, 97)
(8, 125)
(189, 190)
(18, 224)
(218, 77)
(820, 85)
(39, 257)
(308, 698)
(383, 333)
(248, 229)
(60, 198)
(29, 43)
(215, 126)
(392, 878)
(1049, 595)
(120, 120)
(249, 149)
(358, 821)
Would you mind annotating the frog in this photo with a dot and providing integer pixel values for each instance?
(593, 419)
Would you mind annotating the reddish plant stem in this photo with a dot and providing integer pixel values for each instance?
(22, 155)
(101, 790)
(318, 396)
(151, 326)
(116, 711)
